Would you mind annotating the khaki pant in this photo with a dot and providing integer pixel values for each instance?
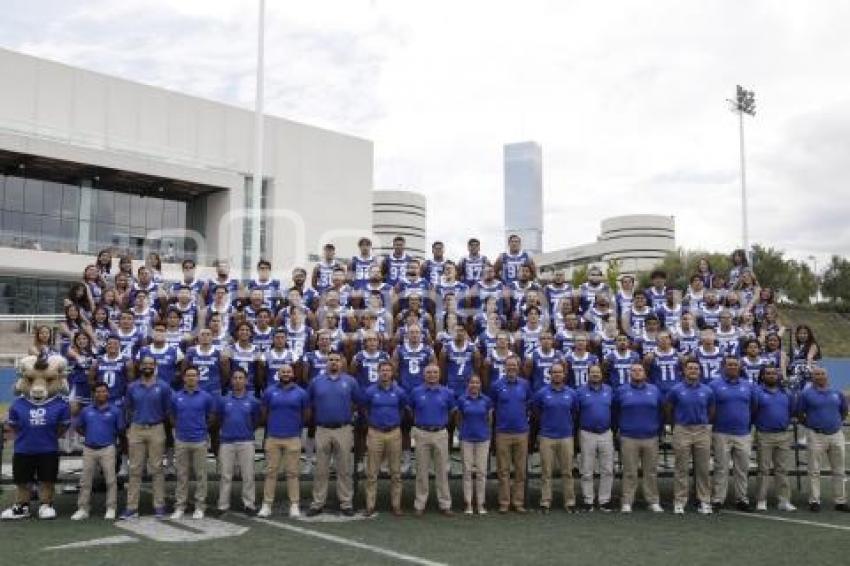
(432, 445)
(511, 449)
(92, 458)
(287, 450)
(556, 454)
(736, 448)
(597, 449)
(774, 448)
(641, 452)
(190, 455)
(831, 445)
(334, 442)
(146, 445)
(474, 456)
(692, 441)
(382, 446)
(231, 454)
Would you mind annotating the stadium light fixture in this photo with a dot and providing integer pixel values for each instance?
(744, 103)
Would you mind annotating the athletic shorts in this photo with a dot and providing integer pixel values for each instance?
(28, 468)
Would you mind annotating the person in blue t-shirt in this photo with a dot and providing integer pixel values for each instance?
(285, 410)
(731, 438)
(384, 403)
(690, 407)
(556, 406)
(37, 427)
(638, 412)
(238, 418)
(772, 419)
(100, 424)
(475, 416)
(511, 396)
(192, 415)
(822, 409)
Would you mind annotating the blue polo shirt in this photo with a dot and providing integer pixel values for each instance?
(637, 410)
(191, 409)
(332, 398)
(36, 425)
(823, 409)
(594, 407)
(511, 399)
(148, 404)
(774, 408)
(734, 402)
(557, 409)
(385, 406)
(431, 406)
(239, 417)
(474, 425)
(285, 406)
(690, 403)
(100, 425)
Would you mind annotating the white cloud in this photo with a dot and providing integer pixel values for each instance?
(626, 98)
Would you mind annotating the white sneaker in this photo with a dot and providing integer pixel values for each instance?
(467, 510)
(265, 510)
(294, 511)
(656, 508)
(786, 506)
(198, 514)
(109, 515)
(705, 509)
(482, 510)
(80, 515)
(15, 512)
(761, 506)
(678, 509)
(626, 508)
(177, 515)
(46, 512)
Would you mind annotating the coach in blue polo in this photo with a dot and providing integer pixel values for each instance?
(731, 438)
(823, 410)
(690, 407)
(638, 412)
(192, 414)
(772, 419)
(511, 398)
(332, 395)
(432, 405)
(595, 402)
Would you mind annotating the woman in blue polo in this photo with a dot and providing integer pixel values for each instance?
(475, 411)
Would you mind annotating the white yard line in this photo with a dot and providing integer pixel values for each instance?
(352, 543)
(788, 520)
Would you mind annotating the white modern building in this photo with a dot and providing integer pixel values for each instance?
(524, 194)
(89, 161)
(637, 242)
(400, 213)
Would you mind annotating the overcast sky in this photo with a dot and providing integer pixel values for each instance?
(627, 99)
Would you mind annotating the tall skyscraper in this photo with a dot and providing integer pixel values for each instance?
(524, 194)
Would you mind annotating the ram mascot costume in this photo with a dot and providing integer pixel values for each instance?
(38, 417)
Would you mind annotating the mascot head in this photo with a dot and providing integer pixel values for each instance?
(41, 378)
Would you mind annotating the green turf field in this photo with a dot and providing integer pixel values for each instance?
(557, 538)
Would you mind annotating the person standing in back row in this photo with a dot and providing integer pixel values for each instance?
(823, 410)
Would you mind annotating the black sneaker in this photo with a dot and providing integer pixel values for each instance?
(585, 507)
(346, 511)
(606, 507)
(842, 507)
(544, 509)
(570, 509)
(313, 511)
(744, 506)
(716, 506)
(814, 506)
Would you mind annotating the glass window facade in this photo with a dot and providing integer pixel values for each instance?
(44, 215)
(23, 295)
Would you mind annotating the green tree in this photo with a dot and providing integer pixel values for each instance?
(802, 283)
(579, 276)
(836, 280)
(612, 274)
(772, 269)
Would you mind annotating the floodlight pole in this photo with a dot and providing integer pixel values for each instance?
(257, 179)
(744, 103)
